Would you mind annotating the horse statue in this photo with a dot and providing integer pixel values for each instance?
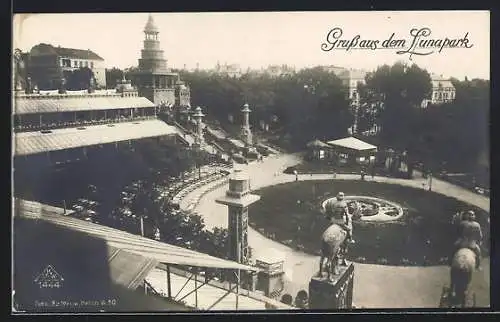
(333, 246)
(462, 266)
(465, 260)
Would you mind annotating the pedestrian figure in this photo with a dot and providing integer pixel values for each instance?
(296, 175)
(363, 174)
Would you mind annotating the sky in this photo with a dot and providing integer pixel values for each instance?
(259, 39)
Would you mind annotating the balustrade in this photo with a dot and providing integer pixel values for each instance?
(37, 126)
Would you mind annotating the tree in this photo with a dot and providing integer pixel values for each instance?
(287, 299)
(113, 77)
(308, 104)
(456, 133)
(20, 72)
(79, 79)
(396, 93)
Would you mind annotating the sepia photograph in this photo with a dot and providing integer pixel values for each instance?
(250, 161)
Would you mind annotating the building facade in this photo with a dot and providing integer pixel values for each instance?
(154, 79)
(279, 70)
(229, 70)
(48, 63)
(442, 92)
(351, 78)
(334, 69)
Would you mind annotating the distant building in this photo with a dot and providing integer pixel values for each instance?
(442, 92)
(153, 79)
(335, 69)
(47, 64)
(231, 70)
(279, 70)
(351, 78)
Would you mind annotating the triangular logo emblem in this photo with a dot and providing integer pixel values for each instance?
(49, 278)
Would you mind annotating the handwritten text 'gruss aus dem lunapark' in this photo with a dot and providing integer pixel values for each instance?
(420, 43)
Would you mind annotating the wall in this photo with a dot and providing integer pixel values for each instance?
(157, 96)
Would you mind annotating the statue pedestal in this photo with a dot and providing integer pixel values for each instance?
(336, 294)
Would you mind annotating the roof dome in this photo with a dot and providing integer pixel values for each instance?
(151, 26)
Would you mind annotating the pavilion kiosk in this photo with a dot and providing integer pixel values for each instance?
(354, 151)
(336, 294)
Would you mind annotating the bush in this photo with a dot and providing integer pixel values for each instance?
(287, 299)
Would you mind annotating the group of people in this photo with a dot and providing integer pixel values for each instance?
(468, 229)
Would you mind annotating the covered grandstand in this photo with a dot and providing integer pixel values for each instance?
(103, 269)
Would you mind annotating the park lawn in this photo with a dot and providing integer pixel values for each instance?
(290, 213)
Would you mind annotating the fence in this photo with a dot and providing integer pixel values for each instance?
(271, 304)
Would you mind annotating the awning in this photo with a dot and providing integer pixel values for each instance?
(352, 143)
(61, 139)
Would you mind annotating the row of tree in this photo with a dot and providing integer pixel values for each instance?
(313, 103)
(310, 103)
(454, 134)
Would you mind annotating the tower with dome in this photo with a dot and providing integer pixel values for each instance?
(154, 79)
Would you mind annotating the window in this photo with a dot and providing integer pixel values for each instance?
(92, 64)
(81, 63)
(86, 64)
(65, 62)
(75, 63)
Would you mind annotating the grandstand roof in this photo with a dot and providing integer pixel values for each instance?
(130, 243)
(53, 104)
(61, 139)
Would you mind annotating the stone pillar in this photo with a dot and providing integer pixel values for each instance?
(245, 128)
(336, 294)
(198, 116)
(238, 198)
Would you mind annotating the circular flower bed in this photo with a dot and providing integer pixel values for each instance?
(417, 231)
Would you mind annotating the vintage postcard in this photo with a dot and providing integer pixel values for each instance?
(242, 161)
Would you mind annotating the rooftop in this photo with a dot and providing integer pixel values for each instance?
(151, 26)
(27, 143)
(352, 143)
(73, 102)
(44, 49)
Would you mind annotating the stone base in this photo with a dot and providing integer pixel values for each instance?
(335, 294)
(272, 284)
